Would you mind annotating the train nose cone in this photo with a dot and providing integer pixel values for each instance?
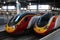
(9, 29)
(39, 30)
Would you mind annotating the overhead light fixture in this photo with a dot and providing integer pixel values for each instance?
(4, 2)
(17, 1)
(44, 7)
(32, 7)
(29, 3)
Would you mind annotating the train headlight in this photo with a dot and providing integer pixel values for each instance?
(14, 26)
(9, 29)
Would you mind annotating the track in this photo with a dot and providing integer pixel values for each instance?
(5, 36)
(31, 36)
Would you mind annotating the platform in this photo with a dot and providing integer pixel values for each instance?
(52, 36)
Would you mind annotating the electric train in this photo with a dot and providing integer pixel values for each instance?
(46, 23)
(19, 23)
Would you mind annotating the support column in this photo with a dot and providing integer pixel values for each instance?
(37, 6)
(18, 6)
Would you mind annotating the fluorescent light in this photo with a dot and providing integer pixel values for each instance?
(32, 7)
(4, 7)
(44, 7)
(9, 7)
(23, 8)
(0, 8)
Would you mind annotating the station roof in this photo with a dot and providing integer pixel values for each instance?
(54, 3)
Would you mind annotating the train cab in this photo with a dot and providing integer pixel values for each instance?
(19, 23)
(46, 23)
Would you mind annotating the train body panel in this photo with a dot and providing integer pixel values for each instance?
(51, 26)
(57, 24)
(32, 21)
(23, 24)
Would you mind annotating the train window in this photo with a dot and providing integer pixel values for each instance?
(44, 20)
(17, 18)
(14, 20)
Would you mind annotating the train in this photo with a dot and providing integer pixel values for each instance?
(19, 23)
(46, 24)
(39, 24)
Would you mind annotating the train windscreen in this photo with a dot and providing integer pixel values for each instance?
(44, 20)
(14, 20)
